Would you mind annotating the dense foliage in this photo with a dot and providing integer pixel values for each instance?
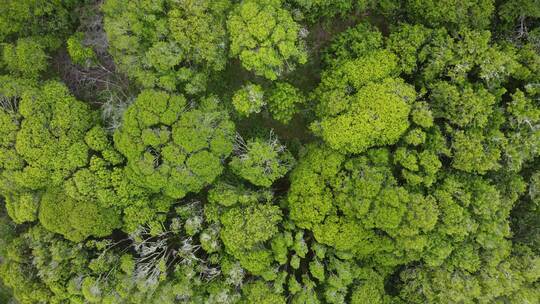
(269, 151)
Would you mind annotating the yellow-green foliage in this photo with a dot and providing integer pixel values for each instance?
(47, 19)
(245, 229)
(56, 259)
(171, 148)
(51, 136)
(10, 92)
(79, 53)
(353, 43)
(60, 166)
(259, 292)
(99, 177)
(265, 37)
(362, 104)
(315, 9)
(506, 278)
(74, 219)
(451, 13)
(26, 58)
(468, 105)
(365, 195)
(283, 102)
(249, 99)
(44, 142)
(524, 137)
(22, 206)
(249, 220)
(406, 170)
(261, 161)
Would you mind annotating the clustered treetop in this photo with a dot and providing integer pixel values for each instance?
(265, 37)
(362, 104)
(168, 44)
(171, 147)
(249, 99)
(261, 161)
(48, 148)
(269, 151)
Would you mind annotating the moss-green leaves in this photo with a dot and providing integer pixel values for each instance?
(167, 44)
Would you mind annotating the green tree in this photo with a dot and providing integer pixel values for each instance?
(283, 101)
(53, 144)
(167, 44)
(526, 215)
(371, 287)
(44, 143)
(329, 10)
(51, 136)
(476, 139)
(523, 132)
(21, 203)
(248, 220)
(419, 156)
(451, 68)
(48, 20)
(79, 52)
(344, 201)
(513, 279)
(435, 54)
(76, 220)
(58, 262)
(170, 148)
(249, 99)
(353, 43)
(265, 38)
(27, 58)
(453, 14)
(59, 164)
(259, 292)
(520, 15)
(362, 104)
(261, 161)
(315, 9)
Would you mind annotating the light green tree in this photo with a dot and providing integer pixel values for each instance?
(171, 148)
(261, 161)
(249, 99)
(259, 292)
(79, 52)
(283, 101)
(353, 43)
(265, 38)
(26, 58)
(248, 220)
(362, 104)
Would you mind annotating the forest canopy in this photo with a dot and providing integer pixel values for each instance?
(269, 151)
